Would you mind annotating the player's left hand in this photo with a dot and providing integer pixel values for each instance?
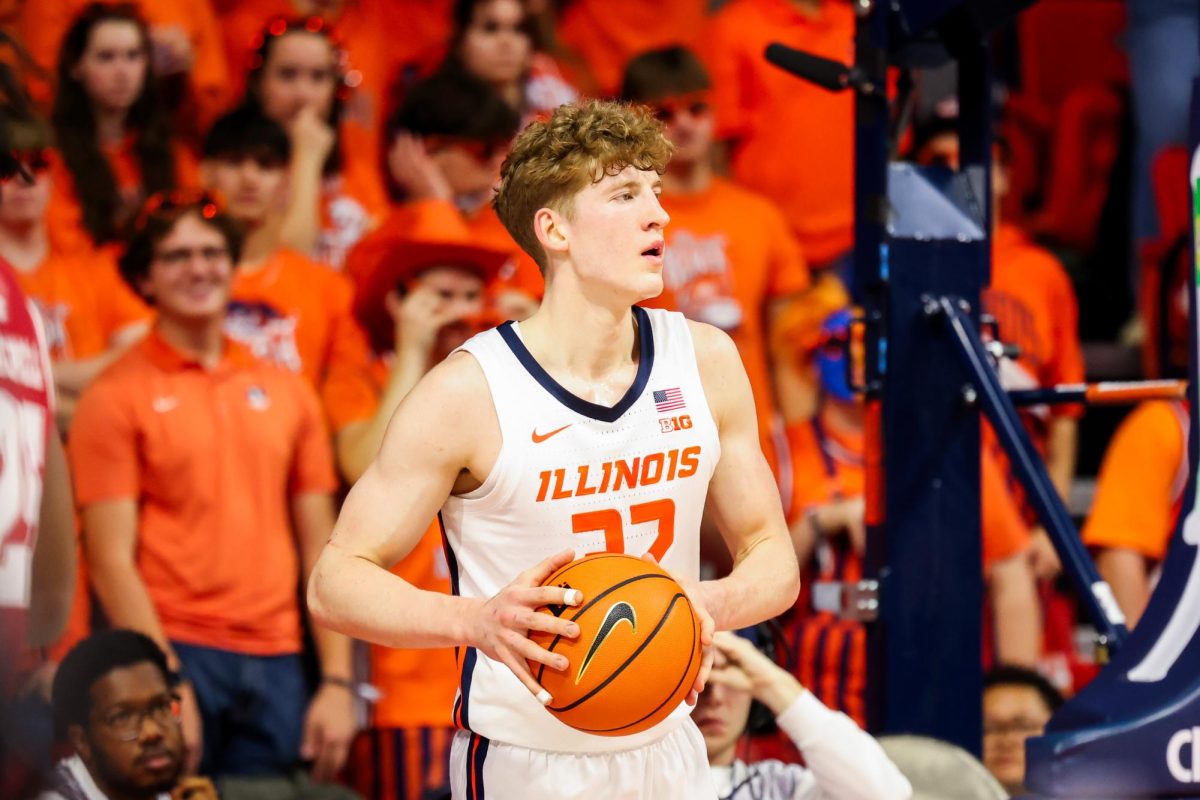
(695, 594)
(329, 728)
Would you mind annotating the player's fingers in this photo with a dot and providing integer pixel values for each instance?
(548, 596)
(529, 651)
(548, 623)
(521, 670)
(707, 627)
(534, 576)
(706, 663)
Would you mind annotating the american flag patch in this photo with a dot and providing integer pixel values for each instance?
(668, 400)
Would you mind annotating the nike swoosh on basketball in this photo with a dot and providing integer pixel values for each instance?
(620, 612)
(538, 438)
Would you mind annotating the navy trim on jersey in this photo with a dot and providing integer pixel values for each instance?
(478, 754)
(577, 404)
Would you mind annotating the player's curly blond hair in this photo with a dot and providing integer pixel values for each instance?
(579, 144)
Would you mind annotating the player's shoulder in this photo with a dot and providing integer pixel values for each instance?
(714, 347)
(456, 385)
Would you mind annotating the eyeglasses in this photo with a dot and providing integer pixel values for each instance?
(125, 724)
(667, 110)
(1020, 726)
(186, 255)
(173, 205)
(36, 159)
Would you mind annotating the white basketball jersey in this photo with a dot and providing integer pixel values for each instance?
(572, 474)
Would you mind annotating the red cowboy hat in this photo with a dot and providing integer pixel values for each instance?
(402, 260)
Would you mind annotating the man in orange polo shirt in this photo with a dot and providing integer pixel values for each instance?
(791, 140)
(731, 260)
(419, 301)
(286, 308)
(205, 482)
(446, 144)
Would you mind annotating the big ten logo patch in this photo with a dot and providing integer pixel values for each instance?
(265, 331)
(671, 424)
(698, 273)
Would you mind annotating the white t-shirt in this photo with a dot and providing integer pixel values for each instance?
(844, 762)
(72, 781)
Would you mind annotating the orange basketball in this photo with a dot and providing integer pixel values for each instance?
(638, 649)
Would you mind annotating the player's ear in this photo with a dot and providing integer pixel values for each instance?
(551, 229)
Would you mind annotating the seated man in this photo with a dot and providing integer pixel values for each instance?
(114, 701)
(1017, 704)
(842, 761)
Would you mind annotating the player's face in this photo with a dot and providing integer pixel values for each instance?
(615, 234)
(1011, 714)
(191, 272)
(299, 72)
(24, 204)
(133, 744)
(113, 66)
(689, 125)
(721, 714)
(251, 186)
(496, 45)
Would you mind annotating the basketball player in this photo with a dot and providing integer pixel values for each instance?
(592, 426)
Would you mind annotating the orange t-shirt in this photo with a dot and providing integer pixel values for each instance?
(64, 214)
(1035, 307)
(729, 254)
(298, 314)
(606, 34)
(83, 302)
(44, 23)
(352, 204)
(829, 653)
(211, 457)
(1142, 481)
(418, 685)
(792, 141)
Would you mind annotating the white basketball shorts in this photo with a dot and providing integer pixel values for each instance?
(674, 767)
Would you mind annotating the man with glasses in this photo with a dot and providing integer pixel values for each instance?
(205, 483)
(114, 701)
(1017, 704)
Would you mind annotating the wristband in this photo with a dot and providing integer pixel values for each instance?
(359, 689)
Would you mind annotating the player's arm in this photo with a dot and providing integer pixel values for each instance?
(743, 497)
(54, 553)
(433, 439)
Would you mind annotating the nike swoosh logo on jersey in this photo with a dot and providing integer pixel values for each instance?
(164, 404)
(620, 612)
(538, 438)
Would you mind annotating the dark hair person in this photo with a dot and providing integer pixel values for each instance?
(113, 131)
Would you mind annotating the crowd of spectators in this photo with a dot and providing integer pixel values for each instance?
(249, 227)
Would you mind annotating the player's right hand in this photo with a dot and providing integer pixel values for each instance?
(499, 627)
